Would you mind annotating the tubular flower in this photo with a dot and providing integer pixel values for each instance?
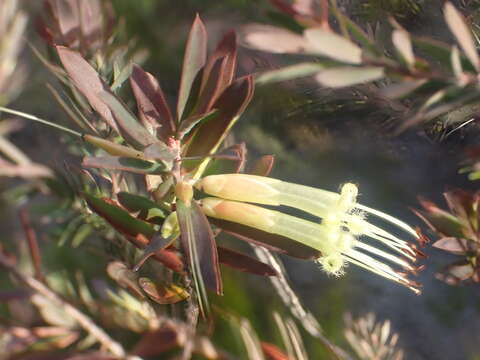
(338, 235)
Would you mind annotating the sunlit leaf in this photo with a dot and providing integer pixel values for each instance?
(163, 294)
(332, 45)
(403, 44)
(133, 132)
(113, 148)
(289, 73)
(462, 33)
(457, 246)
(87, 81)
(272, 39)
(348, 76)
(137, 166)
(193, 61)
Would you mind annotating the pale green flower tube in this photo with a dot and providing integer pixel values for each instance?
(275, 222)
(329, 206)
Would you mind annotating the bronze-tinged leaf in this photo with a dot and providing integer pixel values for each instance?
(439, 220)
(242, 262)
(198, 243)
(285, 7)
(189, 123)
(130, 128)
(194, 60)
(87, 81)
(138, 232)
(456, 246)
(272, 352)
(263, 166)
(151, 103)
(213, 87)
(227, 49)
(158, 341)
(91, 21)
(68, 20)
(125, 277)
(163, 293)
(461, 202)
(230, 106)
(137, 166)
(270, 241)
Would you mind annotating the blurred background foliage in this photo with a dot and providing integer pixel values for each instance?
(320, 138)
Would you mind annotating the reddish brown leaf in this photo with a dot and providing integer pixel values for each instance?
(263, 166)
(87, 81)
(227, 47)
(151, 103)
(214, 86)
(230, 105)
(193, 61)
(242, 262)
(272, 352)
(199, 244)
(161, 293)
(158, 341)
(67, 15)
(270, 241)
(91, 23)
(230, 160)
(440, 220)
(137, 232)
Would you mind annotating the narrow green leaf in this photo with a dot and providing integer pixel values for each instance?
(141, 204)
(193, 61)
(120, 219)
(137, 166)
